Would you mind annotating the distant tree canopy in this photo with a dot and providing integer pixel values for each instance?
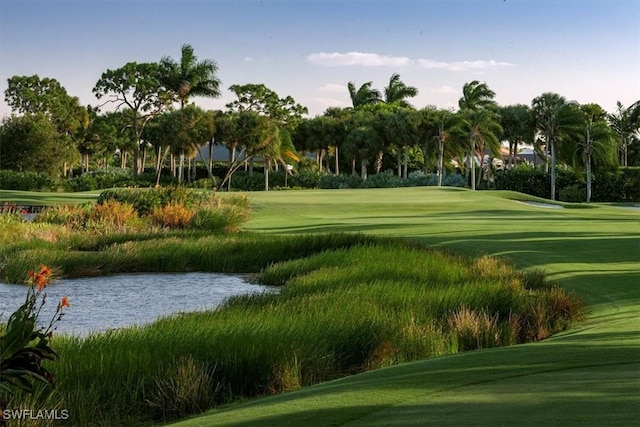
(31, 143)
(153, 117)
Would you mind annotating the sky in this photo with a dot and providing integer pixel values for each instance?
(584, 50)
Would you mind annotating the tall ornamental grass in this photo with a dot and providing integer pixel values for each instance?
(347, 304)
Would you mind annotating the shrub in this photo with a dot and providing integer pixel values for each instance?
(112, 215)
(622, 186)
(145, 201)
(388, 179)
(26, 181)
(207, 183)
(568, 178)
(246, 181)
(453, 180)
(99, 179)
(524, 180)
(306, 178)
(72, 216)
(573, 193)
(631, 183)
(173, 215)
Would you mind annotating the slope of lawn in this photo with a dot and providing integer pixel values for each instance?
(37, 198)
(589, 375)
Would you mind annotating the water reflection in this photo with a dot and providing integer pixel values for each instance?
(101, 303)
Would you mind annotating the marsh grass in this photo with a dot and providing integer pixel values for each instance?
(348, 303)
(43, 397)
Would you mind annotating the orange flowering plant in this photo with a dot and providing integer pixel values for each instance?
(24, 345)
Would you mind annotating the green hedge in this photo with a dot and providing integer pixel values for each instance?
(388, 179)
(26, 181)
(621, 186)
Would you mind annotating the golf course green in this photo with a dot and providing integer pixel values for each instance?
(589, 375)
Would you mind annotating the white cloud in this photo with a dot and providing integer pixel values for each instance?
(336, 59)
(248, 59)
(333, 88)
(463, 65)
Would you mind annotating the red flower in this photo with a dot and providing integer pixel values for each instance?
(45, 270)
(41, 281)
(64, 302)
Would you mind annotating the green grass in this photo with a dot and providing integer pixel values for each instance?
(587, 376)
(41, 198)
(350, 304)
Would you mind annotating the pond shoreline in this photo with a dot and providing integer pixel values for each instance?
(103, 303)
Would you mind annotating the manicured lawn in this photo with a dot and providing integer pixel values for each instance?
(587, 376)
(36, 198)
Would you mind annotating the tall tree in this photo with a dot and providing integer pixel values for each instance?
(182, 131)
(318, 135)
(398, 92)
(519, 128)
(399, 128)
(364, 95)
(103, 137)
(32, 95)
(446, 128)
(363, 140)
(31, 143)
(477, 95)
(340, 118)
(279, 117)
(187, 78)
(483, 131)
(596, 147)
(626, 124)
(135, 89)
(190, 77)
(557, 121)
(264, 101)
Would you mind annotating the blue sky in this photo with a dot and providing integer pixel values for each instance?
(585, 50)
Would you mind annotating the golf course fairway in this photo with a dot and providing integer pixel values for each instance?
(589, 375)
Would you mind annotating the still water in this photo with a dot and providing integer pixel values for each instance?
(101, 303)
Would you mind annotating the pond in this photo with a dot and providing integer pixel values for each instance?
(102, 303)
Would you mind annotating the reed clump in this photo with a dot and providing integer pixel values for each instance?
(347, 303)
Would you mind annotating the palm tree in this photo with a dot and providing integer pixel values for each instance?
(519, 128)
(626, 123)
(365, 95)
(482, 130)
(397, 91)
(277, 148)
(556, 121)
(189, 77)
(448, 127)
(597, 144)
(476, 95)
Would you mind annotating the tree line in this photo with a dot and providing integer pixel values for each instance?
(152, 119)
